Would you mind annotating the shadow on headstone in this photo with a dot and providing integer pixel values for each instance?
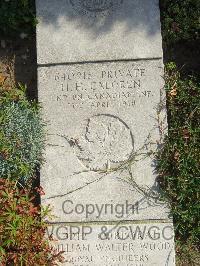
(83, 31)
(100, 17)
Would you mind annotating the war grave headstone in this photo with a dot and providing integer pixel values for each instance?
(100, 82)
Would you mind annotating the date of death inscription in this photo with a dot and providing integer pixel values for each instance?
(100, 88)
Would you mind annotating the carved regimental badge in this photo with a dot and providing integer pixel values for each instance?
(95, 7)
(106, 141)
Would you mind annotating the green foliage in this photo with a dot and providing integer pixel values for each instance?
(180, 20)
(22, 229)
(178, 161)
(21, 135)
(16, 16)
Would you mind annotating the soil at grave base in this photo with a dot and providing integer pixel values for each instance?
(18, 63)
(186, 55)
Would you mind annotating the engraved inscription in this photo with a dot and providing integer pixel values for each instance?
(103, 88)
(124, 245)
(122, 253)
(106, 142)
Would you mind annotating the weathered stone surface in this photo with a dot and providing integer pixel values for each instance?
(105, 120)
(81, 31)
(104, 103)
(125, 244)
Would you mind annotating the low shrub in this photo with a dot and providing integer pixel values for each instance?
(17, 17)
(21, 134)
(178, 162)
(22, 229)
(180, 20)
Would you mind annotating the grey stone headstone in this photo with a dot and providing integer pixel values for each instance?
(78, 30)
(123, 244)
(100, 82)
(105, 120)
